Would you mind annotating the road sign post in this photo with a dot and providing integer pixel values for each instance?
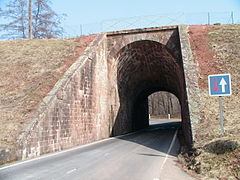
(220, 85)
(221, 110)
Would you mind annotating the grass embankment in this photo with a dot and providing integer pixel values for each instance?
(216, 156)
(28, 71)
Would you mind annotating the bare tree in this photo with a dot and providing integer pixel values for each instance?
(16, 14)
(33, 17)
(46, 23)
(163, 103)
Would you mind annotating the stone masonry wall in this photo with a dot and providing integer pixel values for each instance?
(74, 112)
(191, 78)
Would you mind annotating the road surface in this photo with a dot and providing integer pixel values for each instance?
(149, 154)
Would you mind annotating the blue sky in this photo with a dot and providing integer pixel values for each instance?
(82, 14)
(86, 11)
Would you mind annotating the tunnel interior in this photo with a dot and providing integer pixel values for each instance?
(145, 67)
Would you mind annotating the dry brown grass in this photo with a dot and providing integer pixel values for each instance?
(28, 71)
(225, 44)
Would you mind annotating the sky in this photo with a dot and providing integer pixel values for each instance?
(86, 11)
(83, 14)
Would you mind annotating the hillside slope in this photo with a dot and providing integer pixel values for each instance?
(28, 71)
(216, 51)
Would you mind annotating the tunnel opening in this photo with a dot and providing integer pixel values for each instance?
(143, 68)
(166, 109)
(163, 107)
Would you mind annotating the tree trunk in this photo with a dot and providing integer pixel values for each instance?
(163, 103)
(30, 19)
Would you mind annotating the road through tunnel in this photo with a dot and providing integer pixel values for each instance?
(164, 105)
(145, 67)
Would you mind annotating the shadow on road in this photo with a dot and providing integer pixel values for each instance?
(157, 137)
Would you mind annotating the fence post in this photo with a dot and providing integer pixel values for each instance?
(232, 17)
(80, 29)
(208, 18)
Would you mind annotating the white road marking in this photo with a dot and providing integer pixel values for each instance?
(169, 150)
(70, 171)
(64, 151)
(106, 154)
(82, 146)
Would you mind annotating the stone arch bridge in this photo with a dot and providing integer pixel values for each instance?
(104, 93)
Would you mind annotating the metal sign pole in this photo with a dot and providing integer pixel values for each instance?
(220, 85)
(221, 109)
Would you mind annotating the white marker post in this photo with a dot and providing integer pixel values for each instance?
(169, 116)
(220, 85)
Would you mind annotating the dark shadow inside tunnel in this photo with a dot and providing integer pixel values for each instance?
(145, 67)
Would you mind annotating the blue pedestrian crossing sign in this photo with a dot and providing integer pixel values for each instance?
(219, 85)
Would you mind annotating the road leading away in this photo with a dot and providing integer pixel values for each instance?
(149, 154)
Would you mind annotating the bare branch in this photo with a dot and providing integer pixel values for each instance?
(45, 22)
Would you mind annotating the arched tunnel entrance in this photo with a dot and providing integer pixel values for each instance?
(145, 67)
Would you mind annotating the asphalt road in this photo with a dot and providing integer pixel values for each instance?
(149, 154)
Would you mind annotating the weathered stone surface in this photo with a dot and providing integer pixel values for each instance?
(191, 78)
(105, 92)
(7, 155)
(70, 114)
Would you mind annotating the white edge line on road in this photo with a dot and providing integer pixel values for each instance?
(71, 149)
(169, 150)
(71, 171)
(63, 151)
